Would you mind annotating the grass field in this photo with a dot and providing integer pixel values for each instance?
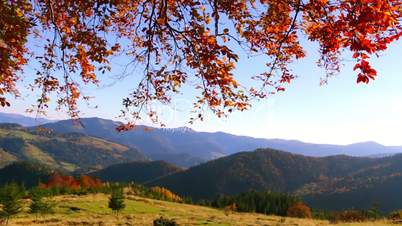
(92, 210)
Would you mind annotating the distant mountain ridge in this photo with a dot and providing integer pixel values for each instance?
(22, 120)
(185, 147)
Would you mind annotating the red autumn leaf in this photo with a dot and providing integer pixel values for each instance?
(183, 42)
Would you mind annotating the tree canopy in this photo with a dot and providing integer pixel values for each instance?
(177, 42)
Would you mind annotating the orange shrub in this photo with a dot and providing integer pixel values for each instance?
(299, 210)
(90, 182)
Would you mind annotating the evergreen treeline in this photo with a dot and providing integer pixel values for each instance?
(10, 200)
(260, 202)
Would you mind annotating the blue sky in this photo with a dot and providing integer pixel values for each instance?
(341, 112)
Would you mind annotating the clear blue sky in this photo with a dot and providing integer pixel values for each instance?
(341, 112)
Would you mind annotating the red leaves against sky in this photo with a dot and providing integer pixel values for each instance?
(14, 29)
(364, 27)
(177, 42)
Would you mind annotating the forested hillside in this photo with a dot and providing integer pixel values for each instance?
(67, 151)
(26, 173)
(335, 182)
(138, 172)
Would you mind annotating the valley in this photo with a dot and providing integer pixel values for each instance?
(335, 182)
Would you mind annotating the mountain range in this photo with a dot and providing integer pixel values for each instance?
(204, 165)
(185, 147)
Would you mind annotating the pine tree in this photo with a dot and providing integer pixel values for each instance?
(10, 198)
(38, 205)
(116, 200)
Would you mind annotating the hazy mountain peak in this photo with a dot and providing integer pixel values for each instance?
(366, 143)
(22, 119)
(183, 129)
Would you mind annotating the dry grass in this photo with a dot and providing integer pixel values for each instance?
(92, 210)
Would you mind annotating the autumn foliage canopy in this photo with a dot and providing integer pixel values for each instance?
(62, 181)
(166, 194)
(177, 42)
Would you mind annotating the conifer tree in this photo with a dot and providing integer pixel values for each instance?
(38, 205)
(116, 200)
(10, 199)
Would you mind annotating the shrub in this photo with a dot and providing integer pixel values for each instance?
(164, 222)
(204, 202)
(75, 209)
(188, 200)
(230, 208)
(349, 216)
(374, 212)
(321, 214)
(299, 210)
(395, 215)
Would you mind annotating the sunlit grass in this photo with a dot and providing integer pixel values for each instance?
(34, 153)
(92, 210)
(17, 133)
(6, 158)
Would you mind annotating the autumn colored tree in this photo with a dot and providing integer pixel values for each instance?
(300, 210)
(177, 42)
(62, 181)
(88, 182)
(165, 194)
(230, 208)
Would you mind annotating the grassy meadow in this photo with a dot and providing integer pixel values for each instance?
(92, 210)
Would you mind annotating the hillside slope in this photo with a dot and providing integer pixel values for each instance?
(138, 172)
(69, 151)
(335, 182)
(264, 169)
(175, 146)
(26, 173)
(379, 183)
(141, 211)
